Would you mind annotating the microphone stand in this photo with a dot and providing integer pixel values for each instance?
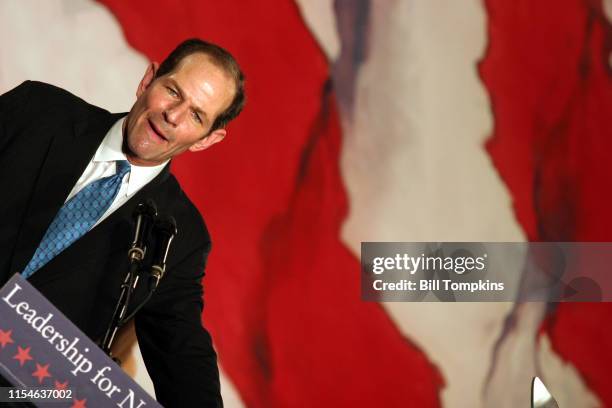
(144, 214)
(164, 231)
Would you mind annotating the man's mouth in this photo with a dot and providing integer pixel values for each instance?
(156, 131)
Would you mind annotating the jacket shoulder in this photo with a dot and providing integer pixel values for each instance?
(27, 112)
(50, 96)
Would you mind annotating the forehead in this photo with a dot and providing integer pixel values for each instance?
(209, 87)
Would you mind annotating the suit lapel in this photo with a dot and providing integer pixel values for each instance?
(68, 155)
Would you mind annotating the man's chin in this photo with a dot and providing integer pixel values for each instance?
(140, 159)
(139, 154)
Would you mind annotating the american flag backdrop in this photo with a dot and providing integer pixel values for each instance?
(390, 120)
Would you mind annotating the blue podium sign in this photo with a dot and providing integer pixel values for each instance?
(44, 351)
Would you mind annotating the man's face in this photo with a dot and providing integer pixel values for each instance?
(175, 111)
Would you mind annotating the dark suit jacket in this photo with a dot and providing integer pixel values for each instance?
(47, 138)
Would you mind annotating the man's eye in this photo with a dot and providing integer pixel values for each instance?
(196, 117)
(172, 91)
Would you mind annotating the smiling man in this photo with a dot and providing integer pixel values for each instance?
(176, 109)
(76, 172)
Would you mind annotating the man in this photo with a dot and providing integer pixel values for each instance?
(56, 152)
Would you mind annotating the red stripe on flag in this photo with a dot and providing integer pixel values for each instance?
(282, 292)
(547, 70)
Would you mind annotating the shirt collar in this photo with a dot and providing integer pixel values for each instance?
(110, 151)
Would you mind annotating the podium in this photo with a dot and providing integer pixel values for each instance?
(51, 363)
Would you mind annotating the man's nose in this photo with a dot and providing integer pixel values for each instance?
(174, 114)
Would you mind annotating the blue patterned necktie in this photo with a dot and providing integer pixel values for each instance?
(77, 216)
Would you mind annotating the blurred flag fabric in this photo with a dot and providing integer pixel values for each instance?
(551, 146)
(399, 120)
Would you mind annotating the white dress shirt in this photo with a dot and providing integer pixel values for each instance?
(103, 165)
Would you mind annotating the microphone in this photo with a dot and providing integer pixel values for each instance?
(144, 215)
(164, 230)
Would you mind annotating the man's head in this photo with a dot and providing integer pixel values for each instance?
(183, 104)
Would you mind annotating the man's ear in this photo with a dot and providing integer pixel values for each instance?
(147, 79)
(214, 137)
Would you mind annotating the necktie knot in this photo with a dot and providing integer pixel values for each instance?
(123, 167)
